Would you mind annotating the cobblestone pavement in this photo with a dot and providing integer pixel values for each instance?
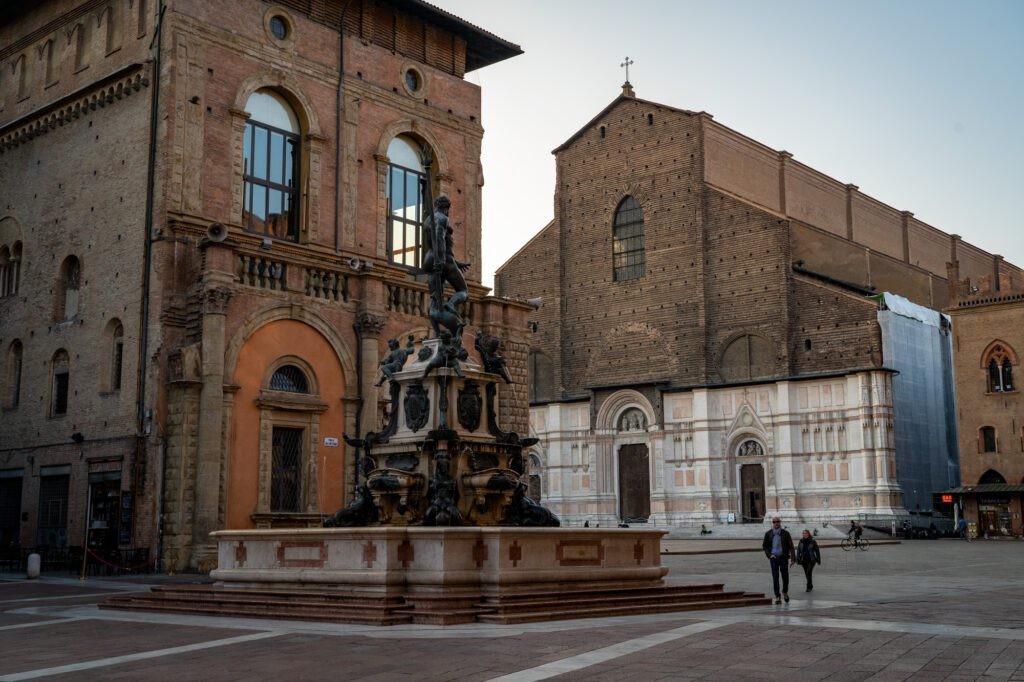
(923, 610)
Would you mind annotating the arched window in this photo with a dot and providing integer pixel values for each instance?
(12, 375)
(542, 376)
(628, 252)
(747, 357)
(116, 356)
(406, 191)
(289, 378)
(60, 376)
(68, 289)
(999, 360)
(14, 271)
(271, 152)
(991, 477)
(987, 438)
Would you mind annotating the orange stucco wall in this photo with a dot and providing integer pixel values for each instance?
(267, 344)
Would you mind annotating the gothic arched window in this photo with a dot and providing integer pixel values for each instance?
(998, 364)
(406, 197)
(628, 253)
(991, 476)
(271, 152)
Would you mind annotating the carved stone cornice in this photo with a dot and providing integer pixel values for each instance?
(114, 87)
(368, 324)
(215, 300)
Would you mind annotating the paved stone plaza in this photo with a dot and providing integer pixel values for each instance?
(922, 610)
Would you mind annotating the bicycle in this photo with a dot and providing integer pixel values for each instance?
(849, 543)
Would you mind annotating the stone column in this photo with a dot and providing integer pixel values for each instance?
(369, 327)
(215, 299)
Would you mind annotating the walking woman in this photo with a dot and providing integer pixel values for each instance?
(808, 556)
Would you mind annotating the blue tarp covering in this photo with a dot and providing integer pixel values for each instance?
(916, 342)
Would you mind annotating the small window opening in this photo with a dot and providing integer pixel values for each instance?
(289, 378)
(988, 439)
(279, 27)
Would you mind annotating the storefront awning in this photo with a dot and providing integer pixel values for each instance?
(985, 489)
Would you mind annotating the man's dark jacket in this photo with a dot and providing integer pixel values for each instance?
(788, 550)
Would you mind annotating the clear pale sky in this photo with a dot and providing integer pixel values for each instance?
(921, 104)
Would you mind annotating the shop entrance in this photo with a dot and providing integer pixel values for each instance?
(994, 515)
(104, 512)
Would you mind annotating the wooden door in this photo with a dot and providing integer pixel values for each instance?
(634, 483)
(752, 492)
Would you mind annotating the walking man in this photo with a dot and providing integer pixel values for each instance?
(778, 547)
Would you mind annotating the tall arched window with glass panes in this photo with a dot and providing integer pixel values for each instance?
(406, 201)
(271, 153)
(628, 251)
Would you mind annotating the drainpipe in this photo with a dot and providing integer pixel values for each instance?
(358, 328)
(337, 129)
(154, 119)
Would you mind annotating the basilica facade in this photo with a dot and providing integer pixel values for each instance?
(721, 333)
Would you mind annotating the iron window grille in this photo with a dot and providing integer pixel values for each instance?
(285, 476)
(289, 378)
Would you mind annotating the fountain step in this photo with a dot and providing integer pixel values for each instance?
(356, 615)
(434, 609)
(555, 603)
(598, 611)
(659, 591)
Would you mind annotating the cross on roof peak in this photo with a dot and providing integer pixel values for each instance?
(626, 64)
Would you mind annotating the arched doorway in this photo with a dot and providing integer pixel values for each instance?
(634, 483)
(752, 493)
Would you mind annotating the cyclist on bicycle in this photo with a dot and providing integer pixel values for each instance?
(855, 531)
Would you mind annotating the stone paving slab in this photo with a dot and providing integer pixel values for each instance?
(917, 611)
(14, 594)
(300, 656)
(80, 640)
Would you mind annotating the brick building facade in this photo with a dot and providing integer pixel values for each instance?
(988, 327)
(206, 238)
(707, 345)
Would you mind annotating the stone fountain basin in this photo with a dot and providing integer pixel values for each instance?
(383, 559)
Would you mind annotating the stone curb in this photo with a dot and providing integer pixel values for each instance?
(734, 550)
